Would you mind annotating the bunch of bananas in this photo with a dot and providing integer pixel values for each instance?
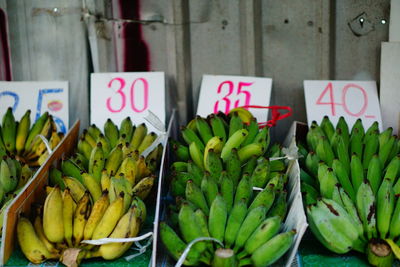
(62, 223)
(111, 161)
(213, 183)
(350, 183)
(20, 140)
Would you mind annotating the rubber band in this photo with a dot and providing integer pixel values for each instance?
(189, 246)
(161, 137)
(276, 115)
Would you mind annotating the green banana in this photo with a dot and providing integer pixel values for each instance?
(385, 207)
(203, 129)
(111, 132)
(254, 149)
(217, 218)
(374, 173)
(213, 164)
(126, 128)
(147, 141)
(371, 148)
(253, 131)
(280, 206)
(234, 141)
(96, 162)
(357, 172)
(194, 194)
(114, 160)
(244, 190)
(394, 228)
(196, 154)
(195, 172)
(327, 126)
(9, 130)
(209, 187)
(264, 198)
(260, 176)
(343, 177)
(367, 208)
(69, 168)
(105, 144)
(233, 167)
(393, 169)
(235, 123)
(218, 127)
(249, 166)
(138, 136)
(190, 136)
(181, 152)
(94, 131)
(235, 220)
(36, 129)
(227, 190)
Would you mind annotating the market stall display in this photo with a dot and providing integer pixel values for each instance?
(350, 186)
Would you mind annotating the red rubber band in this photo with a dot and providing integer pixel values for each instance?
(276, 115)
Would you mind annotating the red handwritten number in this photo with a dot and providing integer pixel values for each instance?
(247, 94)
(345, 89)
(225, 98)
(328, 88)
(344, 93)
(122, 95)
(120, 92)
(145, 95)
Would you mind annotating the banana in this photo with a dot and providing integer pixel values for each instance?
(203, 129)
(195, 172)
(248, 167)
(357, 172)
(374, 173)
(264, 198)
(175, 245)
(201, 220)
(84, 162)
(358, 126)
(264, 232)
(146, 142)
(344, 129)
(126, 128)
(253, 131)
(194, 194)
(180, 166)
(327, 183)
(196, 154)
(81, 215)
(96, 162)
(227, 190)
(143, 187)
(121, 185)
(385, 207)
(9, 130)
(234, 141)
(69, 168)
(110, 219)
(356, 143)
(32, 247)
(246, 152)
(105, 144)
(94, 131)
(142, 169)
(189, 136)
(263, 137)
(233, 166)
(327, 126)
(138, 135)
(105, 180)
(129, 169)
(394, 228)
(306, 178)
(313, 135)
(38, 226)
(280, 206)
(53, 224)
(343, 177)
(8, 178)
(216, 144)
(243, 113)
(92, 185)
(260, 176)
(26, 174)
(114, 160)
(36, 129)
(253, 219)
(393, 169)
(181, 152)
(384, 152)
(235, 220)
(370, 148)
(367, 209)
(69, 207)
(76, 188)
(88, 138)
(128, 226)
(218, 127)
(312, 163)
(324, 151)
(111, 132)
(273, 249)
(217, 218)
(235, 123)
(244, 190)
(213, 164)
(209, 187)
(343, 154)
(84, 148)
(22, 132)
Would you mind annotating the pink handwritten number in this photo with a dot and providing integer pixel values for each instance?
(145, 95)
(331, 101)
(226, 98)
(344, 93)
(120, 92)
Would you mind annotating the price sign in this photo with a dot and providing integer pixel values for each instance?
(121, 94)
(223, 93)
(350, 99)
(39, 97)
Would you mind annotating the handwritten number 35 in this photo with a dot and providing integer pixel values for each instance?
(120, 85)
(227, 100)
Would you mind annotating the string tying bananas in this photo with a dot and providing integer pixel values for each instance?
(350, 186)
(212, 181)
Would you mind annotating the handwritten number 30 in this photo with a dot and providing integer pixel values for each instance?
(120, 87)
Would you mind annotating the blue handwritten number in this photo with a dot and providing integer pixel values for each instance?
(12, 94)
(42, 92)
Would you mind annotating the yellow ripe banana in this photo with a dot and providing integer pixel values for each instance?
(23, 131)
(216, 143)
(53, 224)
(105, 180)
(110, 218)
(138, 135)
(129, 169)
(40, 233)
(77, 189)
(143, 188)
(92, 185)
(142, 170)
(98, 210)
(128, 226)
(69, 207)
(244, 114)
(147, 141)
(32, 247)
(80, 217)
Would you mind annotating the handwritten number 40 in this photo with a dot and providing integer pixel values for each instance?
(331, 99)
(121, 83)
(230, 93)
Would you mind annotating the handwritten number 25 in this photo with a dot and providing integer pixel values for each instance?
(120, 83)
(226, 98)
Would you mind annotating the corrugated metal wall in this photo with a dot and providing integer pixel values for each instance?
(287, 40)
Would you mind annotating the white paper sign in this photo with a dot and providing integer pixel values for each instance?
(350, 99)
(223, 93)
(39, 97)
(117, 95)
